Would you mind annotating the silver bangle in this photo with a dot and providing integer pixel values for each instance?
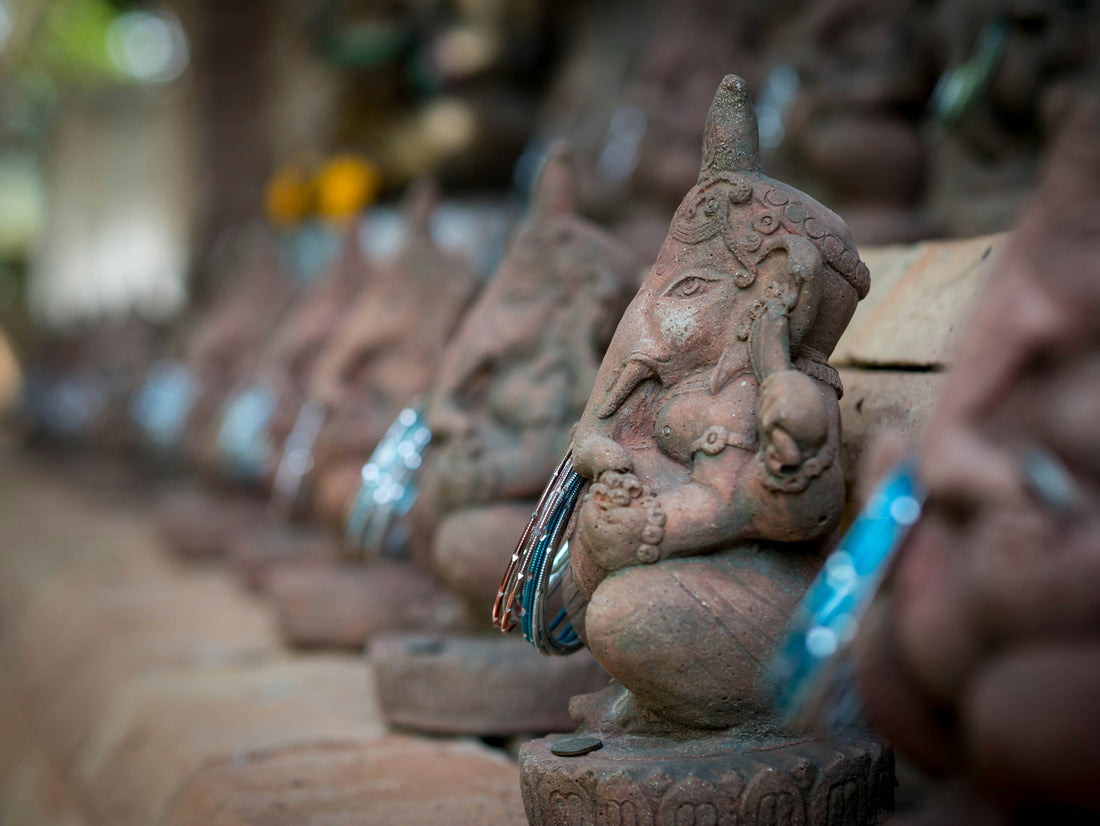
(537, 566)
(389, 484)
(297, 459)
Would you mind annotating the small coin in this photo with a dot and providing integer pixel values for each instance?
(575, 746)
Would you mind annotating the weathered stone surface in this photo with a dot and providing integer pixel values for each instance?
(344, 605)
(877, 401)
(514, 379)
(81, 643)
(711, 444)
(716, 779)
(133, 673)
(494, 685)
(197, 523)
(920, 298)
(163, 726)
(710, 440)
(32, 791)
(394, 781)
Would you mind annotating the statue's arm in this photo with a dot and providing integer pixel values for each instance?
(728, 495)
(732, 497)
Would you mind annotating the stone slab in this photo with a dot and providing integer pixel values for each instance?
(134, 671)
(162, 727)
(920, 297)
(32, 790)
(394, 781)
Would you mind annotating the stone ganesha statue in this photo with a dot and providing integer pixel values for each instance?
(384, 355)
(512, 382)
(515, 377)
(229, 338)
(294, 348)
(711, 444)
(387, 351)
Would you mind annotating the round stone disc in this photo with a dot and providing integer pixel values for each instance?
(575, 746)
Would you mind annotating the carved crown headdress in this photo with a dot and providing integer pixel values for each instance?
(735, 198)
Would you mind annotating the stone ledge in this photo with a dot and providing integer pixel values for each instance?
(920, 296)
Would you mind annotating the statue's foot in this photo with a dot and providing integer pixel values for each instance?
(614, 710)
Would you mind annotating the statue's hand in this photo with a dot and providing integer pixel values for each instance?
(593, 455)
(792, 419)
(619, 523)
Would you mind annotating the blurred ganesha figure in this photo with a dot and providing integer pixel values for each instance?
(983, 660)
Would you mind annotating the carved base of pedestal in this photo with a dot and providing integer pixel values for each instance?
(345, 605)
(479, 684)
(723, 779)
(196, 523)
(268, 546)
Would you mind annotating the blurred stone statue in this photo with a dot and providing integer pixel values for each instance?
(515, 379)
(510, 388)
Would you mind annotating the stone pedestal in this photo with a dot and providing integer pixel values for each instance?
(345, 605)
(478, 684)
(269, 545)
(741, 779)
(195, 523)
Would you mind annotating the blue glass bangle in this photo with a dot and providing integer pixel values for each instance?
(389, 484)
(810, 676)
(244, 442)
(160, 407)
(297, 458)
(547, 560)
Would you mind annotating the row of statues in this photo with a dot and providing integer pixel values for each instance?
(698, 415)
(639, 468)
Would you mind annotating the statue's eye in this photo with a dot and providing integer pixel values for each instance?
(687, 287)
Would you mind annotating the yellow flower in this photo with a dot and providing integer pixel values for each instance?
(346, 184)
(289, 195)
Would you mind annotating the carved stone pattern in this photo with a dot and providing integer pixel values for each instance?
(708, 214)
(794, 784)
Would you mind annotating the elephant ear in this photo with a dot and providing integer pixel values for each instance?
(417, 207)
(555, 191)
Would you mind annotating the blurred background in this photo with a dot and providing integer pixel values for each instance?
(142, 144)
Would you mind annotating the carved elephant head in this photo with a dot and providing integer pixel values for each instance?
(739, 241)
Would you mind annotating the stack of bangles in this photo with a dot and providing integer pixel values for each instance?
(244, 442)
(162, 404)
(389, 484)
(811, 677)
(537, 566)
(297, 458)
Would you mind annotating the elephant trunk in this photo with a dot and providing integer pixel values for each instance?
(637, 369)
